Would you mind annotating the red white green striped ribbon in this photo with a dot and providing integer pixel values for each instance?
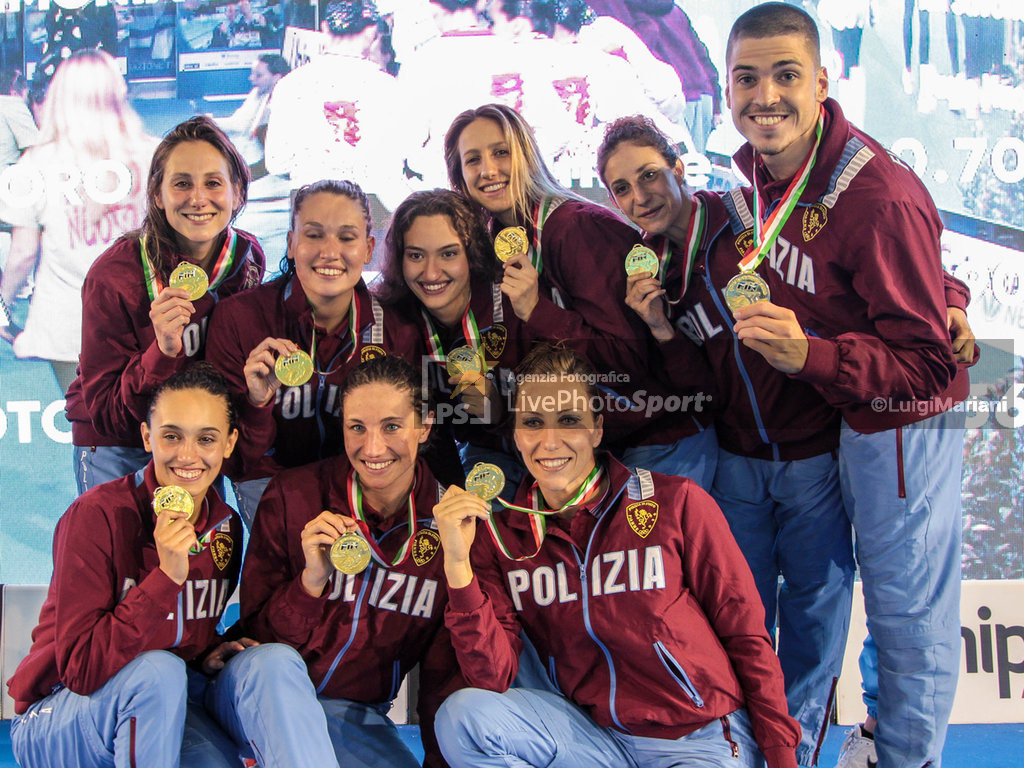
(767, 232)
(355, 503)
(470, 332)
(221, 268)
(538, 524)
(694, 236)
(541, 211)
(353, 332)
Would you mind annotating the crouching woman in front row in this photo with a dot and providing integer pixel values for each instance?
(344, 564)
(126, 665)
(633, 591)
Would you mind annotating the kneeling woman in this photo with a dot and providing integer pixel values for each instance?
(344, 565)
(135, 595)
(633, 592)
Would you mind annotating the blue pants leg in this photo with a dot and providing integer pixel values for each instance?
(103, 463)
(694, 457)
(364, 737)
(522, 727)
(789, 520)
(204, 744)
(136, 718)
(903, 492)
(264, 699)
(868, 663)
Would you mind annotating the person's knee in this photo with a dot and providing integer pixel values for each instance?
(457, 718)
(269, 658)
(157, 676)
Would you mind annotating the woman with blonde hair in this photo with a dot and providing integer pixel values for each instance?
(565, 261)
(69, 197)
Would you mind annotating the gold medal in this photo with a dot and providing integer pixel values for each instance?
(510, 242)
(295, 369)
(746, 288)
(192, 278)
(485, 480)
(463, 360)
(173, 497)
(350, 553)
(641, 259)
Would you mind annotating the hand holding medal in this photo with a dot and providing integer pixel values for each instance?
(260, 368)
(173, 534)
(319, 538)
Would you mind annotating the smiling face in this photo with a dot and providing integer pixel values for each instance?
(383, 433)
(197, 197)
(775, 88)
(487, 167)
(189, 435)
(646, 189)
(436, 268)
(330, 247)
(556, 433)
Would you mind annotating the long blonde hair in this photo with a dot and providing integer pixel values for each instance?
(530, 179)
(86, 109)
(86, 119)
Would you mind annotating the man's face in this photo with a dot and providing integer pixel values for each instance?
(774, 89)
(261, 78)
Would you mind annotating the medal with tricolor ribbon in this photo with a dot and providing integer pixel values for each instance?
(748, 287)
(538, 524)
(355, 503)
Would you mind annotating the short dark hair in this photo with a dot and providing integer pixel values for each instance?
(199, 375)
(161, 239)
(340, 187)
(392, 370)
(636, 129)
(772, 20)
(483, 264)
(276, 63)
(558, 362)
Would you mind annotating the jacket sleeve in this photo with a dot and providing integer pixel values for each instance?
(722, 584)
(895, 269)
(956, 291)
(483, 625)
(585, 251)
(274, 606)
(227, 349)
(98, 634)
(439, 678)
(120, 361)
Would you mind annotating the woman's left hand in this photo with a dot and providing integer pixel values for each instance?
(219, 656)
(478, 395)
(521, 283)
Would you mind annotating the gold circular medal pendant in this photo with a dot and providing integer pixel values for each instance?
(510, 242)
(350, 553)
(462, 360)
(192, 278)
(295, 369)
(485, 480)
(641, 259)
(173, 497)
(746, 288)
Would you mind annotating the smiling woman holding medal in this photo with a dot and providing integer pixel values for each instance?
(628, 584)
(440, 264)
(344, 565)
(139, 325)
(563, 275)
(143, 568)
(288, 346)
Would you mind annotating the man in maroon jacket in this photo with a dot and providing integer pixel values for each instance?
(857, 310)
